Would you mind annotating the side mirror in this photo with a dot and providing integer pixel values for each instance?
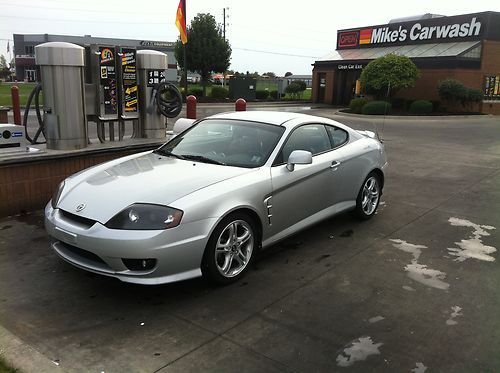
(298, 157)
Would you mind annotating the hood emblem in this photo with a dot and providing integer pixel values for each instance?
(80, 207)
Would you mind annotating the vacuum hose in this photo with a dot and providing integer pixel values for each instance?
(169, 108)
(41, 129)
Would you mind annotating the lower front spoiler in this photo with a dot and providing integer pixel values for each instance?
(135, 277)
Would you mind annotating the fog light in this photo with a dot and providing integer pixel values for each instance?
(139, 264)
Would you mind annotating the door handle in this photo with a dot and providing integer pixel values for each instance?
(335, 164)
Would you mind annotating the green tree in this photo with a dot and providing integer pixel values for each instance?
(386, 75)
(296, 88)
(4, 68)
(207, 51)
(270, 74)
(288, 73)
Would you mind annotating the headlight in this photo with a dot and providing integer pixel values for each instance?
(57, 195)
(146, 217)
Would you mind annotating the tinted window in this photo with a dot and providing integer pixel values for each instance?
(311, 137)
(232, 142)
(337, 136)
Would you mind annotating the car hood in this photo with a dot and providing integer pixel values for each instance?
(107, 189)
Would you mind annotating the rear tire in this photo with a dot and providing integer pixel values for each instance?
(230, 249)
(368, 197)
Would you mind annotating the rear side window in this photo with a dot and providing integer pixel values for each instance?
(337, 136)
(311, 137)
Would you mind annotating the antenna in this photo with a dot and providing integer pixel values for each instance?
(385, 112)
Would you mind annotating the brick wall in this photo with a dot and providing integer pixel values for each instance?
(29, 185)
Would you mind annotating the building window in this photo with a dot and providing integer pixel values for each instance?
(29, 50)
(492, 88)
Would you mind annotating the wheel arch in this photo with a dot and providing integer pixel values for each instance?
(380, 175)
(254, 216)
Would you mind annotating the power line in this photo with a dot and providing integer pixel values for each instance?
(100, 11)
(276, 53)
(81, 21)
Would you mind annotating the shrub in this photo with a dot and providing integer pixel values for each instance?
(273, 94)
(261, 94)
(421, 107)
(195, 91)
(219, 92)
(356, 105)
(473, 95)
(376, 108)
(451, 90)
(454, 92)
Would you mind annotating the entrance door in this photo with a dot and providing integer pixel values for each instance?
(321, 87)
(30, 75)
(345, 86)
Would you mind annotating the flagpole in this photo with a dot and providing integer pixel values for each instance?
(184, 50)
(185, 71)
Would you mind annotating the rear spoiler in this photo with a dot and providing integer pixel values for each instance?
(370, 134)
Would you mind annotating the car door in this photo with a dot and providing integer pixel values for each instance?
(299, 194)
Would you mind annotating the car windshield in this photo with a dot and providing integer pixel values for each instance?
(226, 142)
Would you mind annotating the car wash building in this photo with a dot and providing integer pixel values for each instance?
(464, 47)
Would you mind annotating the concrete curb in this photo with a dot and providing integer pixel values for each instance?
(413, 117)
(22, 356)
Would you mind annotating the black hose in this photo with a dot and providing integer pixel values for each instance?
(169, 108)
(36, 94)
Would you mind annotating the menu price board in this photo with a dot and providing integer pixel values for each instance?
(129, 80)
(492, 87)
(108, 81)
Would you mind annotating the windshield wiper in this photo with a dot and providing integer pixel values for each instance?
(168, 153)
(202, 158)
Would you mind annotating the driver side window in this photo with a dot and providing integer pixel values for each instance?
(311, 137)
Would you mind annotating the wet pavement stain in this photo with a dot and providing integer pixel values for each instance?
(5, 227)
(347, 233)
(419, 272)
(420, 368)
(456, 311)
(358, 350)
(473, 247)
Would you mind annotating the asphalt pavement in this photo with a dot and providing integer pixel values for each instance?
(416, 288)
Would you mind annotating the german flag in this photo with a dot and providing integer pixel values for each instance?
(180, 21)
(365, 36)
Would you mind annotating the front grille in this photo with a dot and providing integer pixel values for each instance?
(80, 220)
(83, 253)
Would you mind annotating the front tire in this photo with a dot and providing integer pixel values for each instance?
(368, 197)
(230, 249)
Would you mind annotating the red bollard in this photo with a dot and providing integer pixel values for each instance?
(16, 107)
(241, 105)
(191, 107)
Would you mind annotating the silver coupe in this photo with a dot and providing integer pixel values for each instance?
(207, 200)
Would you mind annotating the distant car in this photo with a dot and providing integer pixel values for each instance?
(206, 201)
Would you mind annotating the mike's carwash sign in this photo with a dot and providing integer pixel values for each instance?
(434, 30)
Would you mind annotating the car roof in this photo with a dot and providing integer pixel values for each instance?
(278, 118)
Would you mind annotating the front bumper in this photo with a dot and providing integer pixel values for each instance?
(178, 251)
